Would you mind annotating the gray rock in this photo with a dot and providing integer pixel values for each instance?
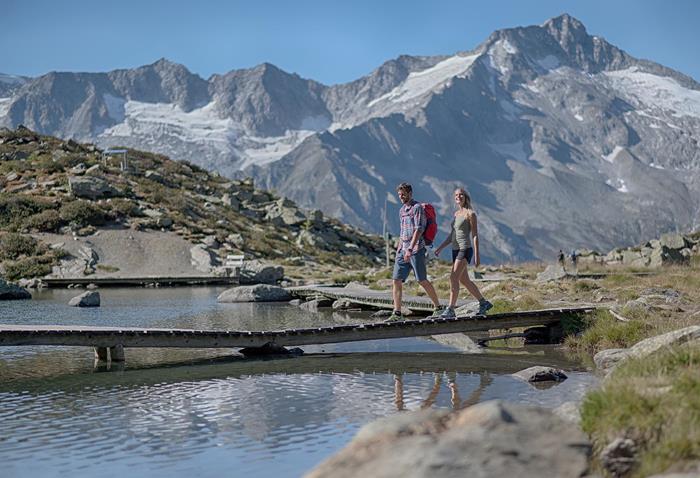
(539, 373)
(608, 359)
(91, 187)
(569, 412)
(380, 314)
(10, 291)
(341, 304)
(488, 439)
(258, 272)
(255, 293)
(295, 302)
(236, 239)
(154, 176)
(89, 298)
(551, 273)
(663, 256)
(201, 258)
(673, 241)
(231, 201)
(211, 242)
(34, 283)
(619, 457)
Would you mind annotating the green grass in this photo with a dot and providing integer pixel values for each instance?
(655, 401)
(107, 268)
(604, 331)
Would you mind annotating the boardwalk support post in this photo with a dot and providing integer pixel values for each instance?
(116, 353)
(101, 354)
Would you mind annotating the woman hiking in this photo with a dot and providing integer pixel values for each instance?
(464, 234)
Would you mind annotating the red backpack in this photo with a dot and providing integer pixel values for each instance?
(431, 224)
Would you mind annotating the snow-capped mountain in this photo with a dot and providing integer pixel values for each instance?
(563, 139)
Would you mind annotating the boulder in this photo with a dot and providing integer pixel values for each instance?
(551, 273)
(91, 187)
(284, 213)
(258, 272)
(90, 298)
(608, 359)
(10, 291)
(488, 439)
(569, 412)
(619, 456)
(231, 201)
(663, 256)
(34, 283)
(201, 258)
(342, 304)
(673, 241)
(154, 176)
(255, 293)
(539, 373)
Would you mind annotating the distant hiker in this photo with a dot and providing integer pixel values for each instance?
(574, 261)
(561, 258)
(410, 251)
(464, 233)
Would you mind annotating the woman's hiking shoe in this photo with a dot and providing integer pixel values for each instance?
(394, 317)
(437, 312)
(484, 306)
(448, 313)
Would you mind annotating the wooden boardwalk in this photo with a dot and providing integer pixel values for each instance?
(141, 281)
(117, 338)
(364, 296)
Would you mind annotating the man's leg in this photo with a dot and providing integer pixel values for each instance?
(419, 269)
(396, 290)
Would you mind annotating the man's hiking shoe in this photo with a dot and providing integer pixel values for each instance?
(448, 313)
(394, 317)
(437, 311)
(484, 306)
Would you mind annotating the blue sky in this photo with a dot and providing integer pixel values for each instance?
(329, 41)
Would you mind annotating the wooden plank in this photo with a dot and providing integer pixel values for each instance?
(14, 335)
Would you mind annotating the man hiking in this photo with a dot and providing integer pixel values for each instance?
(410, 251)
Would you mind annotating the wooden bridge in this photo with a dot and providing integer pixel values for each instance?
(115, 339)
(53, 282)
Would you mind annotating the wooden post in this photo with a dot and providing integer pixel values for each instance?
(116, 353)
(101, 354)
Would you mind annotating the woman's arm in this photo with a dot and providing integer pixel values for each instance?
(447, 240)
(475, 238)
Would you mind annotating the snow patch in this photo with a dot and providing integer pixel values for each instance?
(265, 150)
(611, 157)
(4, 106)
(648, 90)
(549, 62)
(619, 184)
(656, 166)
(429, 80)
(578, 117)
(115, 107)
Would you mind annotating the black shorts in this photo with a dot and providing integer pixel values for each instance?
(459, 254)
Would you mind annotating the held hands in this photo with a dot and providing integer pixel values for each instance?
(437, 251)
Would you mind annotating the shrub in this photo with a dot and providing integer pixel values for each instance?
(28, 267)
(82, 213)
(13, 245)
(45, 221)
(15, 208)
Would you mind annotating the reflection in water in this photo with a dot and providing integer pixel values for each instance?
(208, 412)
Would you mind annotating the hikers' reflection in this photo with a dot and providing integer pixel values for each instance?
(485, 380)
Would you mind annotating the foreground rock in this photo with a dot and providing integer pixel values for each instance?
(90, 298)
(539, 373)
(610, 358)
(255, 293)
(489, 439)
(13, 292)
(551, 273)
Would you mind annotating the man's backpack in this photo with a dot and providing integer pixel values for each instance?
(431, 223)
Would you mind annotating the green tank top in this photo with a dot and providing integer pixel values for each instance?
(461, 233)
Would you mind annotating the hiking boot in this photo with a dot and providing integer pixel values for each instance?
(437, 311)
(448, 313)
(484, 306)
(394, 317)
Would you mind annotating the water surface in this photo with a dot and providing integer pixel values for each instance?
(177, 412)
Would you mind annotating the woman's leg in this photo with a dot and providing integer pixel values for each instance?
(468, 284)
(458, 266)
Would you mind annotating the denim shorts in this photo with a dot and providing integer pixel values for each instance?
(416, 263)
(458, 254)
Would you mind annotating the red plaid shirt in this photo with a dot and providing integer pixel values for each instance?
(412, 218)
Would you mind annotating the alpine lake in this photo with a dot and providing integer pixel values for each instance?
(211, 412)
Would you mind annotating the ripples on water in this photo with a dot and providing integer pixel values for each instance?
(224, 416)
